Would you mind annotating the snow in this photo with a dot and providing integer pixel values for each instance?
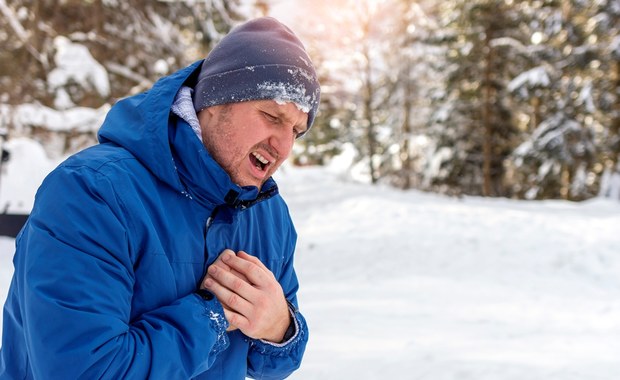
(614, 46)
(410, 285)
(287, 92)
(22, 174)
(610, 184)
(402, 284)
(75, 63)
(78, 119)
(531, 78)
(511, 42)
(585, 97)
(435, 161)
(161, 67)
(12, 19)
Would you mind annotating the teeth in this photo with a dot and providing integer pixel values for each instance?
(260, 158)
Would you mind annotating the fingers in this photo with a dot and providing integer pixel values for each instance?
(252, 298)
(235, 295)
(224, 266)
(253, 259)
(249, 266)
(231, 290)
(235, 320)
(220, 262)
(219, 258)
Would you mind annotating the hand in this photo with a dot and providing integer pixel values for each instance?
(253, 299)
(221, 264)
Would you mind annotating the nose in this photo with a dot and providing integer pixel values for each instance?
(282, 141)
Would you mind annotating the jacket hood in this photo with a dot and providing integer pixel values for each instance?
(144, 125)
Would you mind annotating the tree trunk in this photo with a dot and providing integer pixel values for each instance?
(615, 122)
(565, 182)
(535, 113)
(372, 140)
(368, 114)
(405, 157)
(487, 143)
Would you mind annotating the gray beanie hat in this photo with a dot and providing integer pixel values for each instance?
(261, 59)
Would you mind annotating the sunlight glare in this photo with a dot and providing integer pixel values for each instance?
(373, 5)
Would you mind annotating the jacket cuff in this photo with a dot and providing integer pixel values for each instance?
(217, 320)
(297, 332)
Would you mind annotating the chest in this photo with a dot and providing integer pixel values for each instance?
(178, 243)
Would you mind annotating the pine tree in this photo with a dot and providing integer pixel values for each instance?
(473, 125)
(605, 25)
(567, 100)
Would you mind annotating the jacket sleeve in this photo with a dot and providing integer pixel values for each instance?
(74, 265)
(267, 360)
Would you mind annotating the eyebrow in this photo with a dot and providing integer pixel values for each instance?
(303, 127)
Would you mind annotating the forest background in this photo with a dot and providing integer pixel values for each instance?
(499, 98)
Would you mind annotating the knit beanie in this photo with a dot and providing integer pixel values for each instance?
(260, 59)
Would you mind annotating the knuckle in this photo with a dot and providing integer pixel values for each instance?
(274, 288)
(254, 271)
(233, 300)
(251, 328)
(246, 265)
(237, 284)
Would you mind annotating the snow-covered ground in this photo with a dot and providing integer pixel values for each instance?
(406, 285)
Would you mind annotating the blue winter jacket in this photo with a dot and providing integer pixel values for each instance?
(118, 240)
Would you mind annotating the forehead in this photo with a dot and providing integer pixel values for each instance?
(288, 110)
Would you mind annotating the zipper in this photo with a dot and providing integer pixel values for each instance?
(208, 224)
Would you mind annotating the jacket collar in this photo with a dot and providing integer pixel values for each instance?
(203, 178)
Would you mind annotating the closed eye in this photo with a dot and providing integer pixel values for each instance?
(270, 117)
(299, 131)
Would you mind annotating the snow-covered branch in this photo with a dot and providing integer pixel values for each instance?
(21, 33)
(142, 81)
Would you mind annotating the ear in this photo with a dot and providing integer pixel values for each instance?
(205, 115)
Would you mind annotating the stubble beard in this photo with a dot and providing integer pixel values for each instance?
(219, 142)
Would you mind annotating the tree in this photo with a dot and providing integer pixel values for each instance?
(74, 56)
(605, 25)
(328, 132)
(355, 78)
(473, 124)
(569, 99)
(416, 63)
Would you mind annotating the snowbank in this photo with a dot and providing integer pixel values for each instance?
(22, 174)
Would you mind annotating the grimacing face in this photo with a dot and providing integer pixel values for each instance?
(250, 140)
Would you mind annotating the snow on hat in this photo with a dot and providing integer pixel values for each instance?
(261, 59)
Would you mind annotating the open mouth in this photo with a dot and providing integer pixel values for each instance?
(259, 161)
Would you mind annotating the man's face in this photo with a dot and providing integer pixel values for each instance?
(250, 140)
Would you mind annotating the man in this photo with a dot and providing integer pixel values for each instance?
(165, 251)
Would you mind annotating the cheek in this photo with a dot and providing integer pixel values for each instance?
(218, 144)
(229, 146)
(234, 138)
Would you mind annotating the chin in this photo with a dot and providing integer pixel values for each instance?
(245, 183)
